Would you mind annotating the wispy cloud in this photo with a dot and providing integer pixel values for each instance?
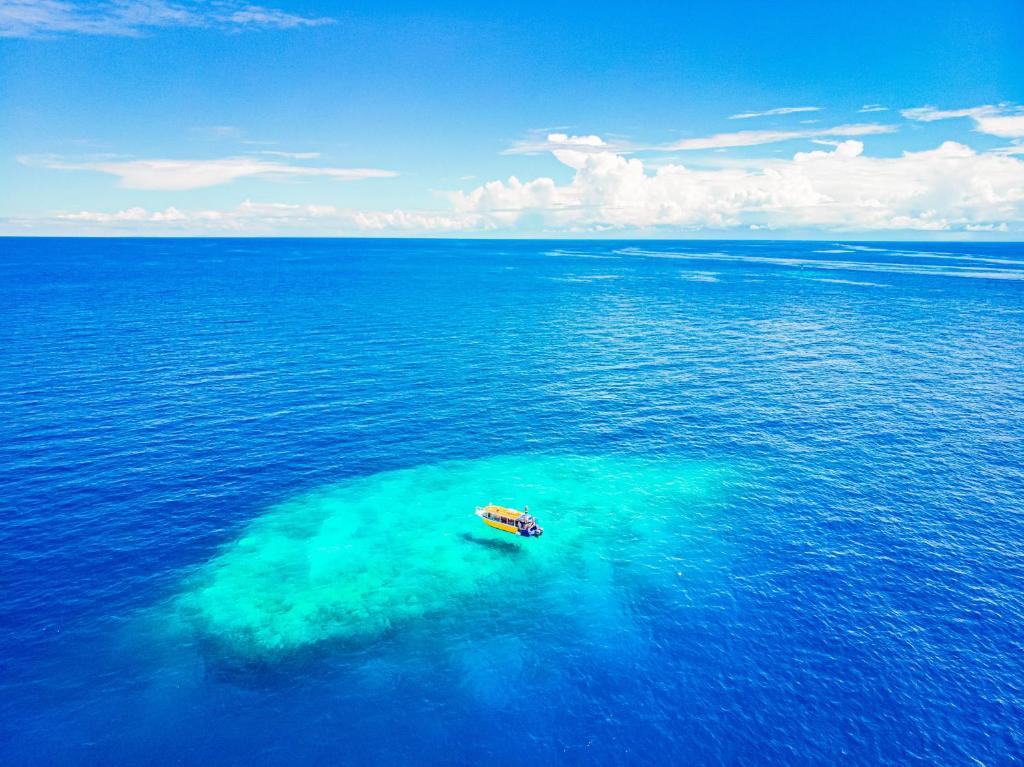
(1017, 148)
(53, 18)
(873, 108)
(1004, 120)
(759, 137)
(773, 112)
(254, 16)
(290, 155)
(590, 144)
(198, 174)
(216, 131)
(931, 114)
(541, 144)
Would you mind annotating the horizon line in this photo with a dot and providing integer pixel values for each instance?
(504, 238)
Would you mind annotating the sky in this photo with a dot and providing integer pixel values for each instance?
(855, 120)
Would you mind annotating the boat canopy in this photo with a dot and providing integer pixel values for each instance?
(502, 511)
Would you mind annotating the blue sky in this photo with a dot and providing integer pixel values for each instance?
(725, 119)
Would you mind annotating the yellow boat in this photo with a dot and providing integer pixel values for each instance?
(510, 520)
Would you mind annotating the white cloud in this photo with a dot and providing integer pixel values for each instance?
(987, 227)
(773, 112)
(136, 214)
(947, 188)
(262, 218)
(197, 174)
(589, 144)
(1004, 126)
(557, 141)
(759, 137)
(1004, 121)
(873, 108)
(931, 114)
(835, 187)
(290, 155)
(951, 188)
(254, 16)
(216, 131)
(47, 18)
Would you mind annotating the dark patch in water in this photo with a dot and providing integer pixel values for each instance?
(503, 547)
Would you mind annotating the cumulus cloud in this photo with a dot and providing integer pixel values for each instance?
(197, 174)
(946, 188)
(1004, 121)
(773, 112)
(135, 214)
(49, 18)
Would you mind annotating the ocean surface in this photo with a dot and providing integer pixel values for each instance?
(782, 487)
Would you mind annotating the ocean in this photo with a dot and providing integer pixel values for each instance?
(781, 486)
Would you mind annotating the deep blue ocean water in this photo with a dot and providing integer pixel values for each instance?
(849, 590)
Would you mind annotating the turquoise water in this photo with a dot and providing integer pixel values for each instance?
(356, 560)
(781, 486)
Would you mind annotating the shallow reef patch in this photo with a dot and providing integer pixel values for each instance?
(356, 560)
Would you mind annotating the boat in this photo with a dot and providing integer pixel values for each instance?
(510, 520)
